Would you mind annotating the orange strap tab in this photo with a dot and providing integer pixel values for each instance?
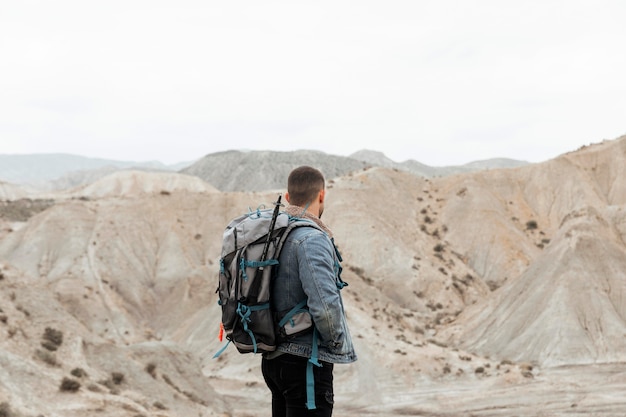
(221, 334)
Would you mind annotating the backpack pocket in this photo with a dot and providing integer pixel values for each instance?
(295, 321)
(299, 323)
(226, 301)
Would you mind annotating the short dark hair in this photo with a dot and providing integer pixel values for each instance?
(303, 185)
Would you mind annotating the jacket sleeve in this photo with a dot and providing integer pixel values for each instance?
(316, 261)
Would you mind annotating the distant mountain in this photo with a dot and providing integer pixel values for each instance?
(37, 169)
(227, 171)
(379, 159)
(266, 170)
(375, 158)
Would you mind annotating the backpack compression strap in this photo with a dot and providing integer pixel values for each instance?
(297, 309)
(313, 360)
(254, 264)
(244, 312)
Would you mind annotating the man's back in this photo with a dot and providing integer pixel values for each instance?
(308, 270)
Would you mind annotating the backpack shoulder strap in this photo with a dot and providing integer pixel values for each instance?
(295, 222)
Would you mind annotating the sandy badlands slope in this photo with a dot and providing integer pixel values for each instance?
(495, 293)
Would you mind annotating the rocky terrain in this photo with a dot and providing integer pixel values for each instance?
(496, 292)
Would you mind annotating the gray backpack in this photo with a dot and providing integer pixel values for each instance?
(251, 246)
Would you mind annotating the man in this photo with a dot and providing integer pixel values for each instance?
(308, 270)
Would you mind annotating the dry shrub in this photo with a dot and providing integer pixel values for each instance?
(151, 369)
(117, 377)
(159, 405)
(69, 385)
(78, 372)
(52, 339)
(5, 410)
(46, 357)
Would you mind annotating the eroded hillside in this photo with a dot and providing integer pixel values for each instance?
(457, 284)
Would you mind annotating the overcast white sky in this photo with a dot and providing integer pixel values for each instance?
(442, 82)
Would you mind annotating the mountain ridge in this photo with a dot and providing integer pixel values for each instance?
(56, 172)
(38, 169)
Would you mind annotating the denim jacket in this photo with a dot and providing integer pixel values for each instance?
(309, 269)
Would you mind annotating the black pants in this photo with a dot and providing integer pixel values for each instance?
(285, 376)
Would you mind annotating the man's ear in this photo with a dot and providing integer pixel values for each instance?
(322, 196)
(287, 196)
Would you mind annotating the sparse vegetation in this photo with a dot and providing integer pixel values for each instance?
(158, 405)
(11, 331)
(5, 410)
(94, 388)
(360, 272)
(23, 310)
(52, 339)
(46, 357)
(78, 373)
(151, 369)
(69, 385)
(438, 343)
(531, 225)
(357, 270)
(193, 397)
(493, 285)
(117, 377)
(111, 386)
(403, 284)
(23, 209)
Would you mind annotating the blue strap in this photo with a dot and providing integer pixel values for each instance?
(219, 352)
(313, 360)
(257, 264)
(244, 312)
(244, 263)
(341, 283)
(292, 312)
(310, 379)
